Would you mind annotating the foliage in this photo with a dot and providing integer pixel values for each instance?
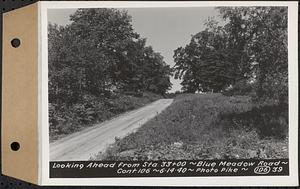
(99, 53)
(65, 120)
(99, 67)
(250, 47)
(206, 65)
(206, 126)
(270, 120)
(240, 88)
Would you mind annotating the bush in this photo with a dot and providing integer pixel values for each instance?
(240, 88)
(64, 120)
(271, 120)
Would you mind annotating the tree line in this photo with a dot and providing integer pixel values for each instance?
(100, 53)
(245, 52)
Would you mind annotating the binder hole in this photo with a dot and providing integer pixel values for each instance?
(15, 146)
(15, 42)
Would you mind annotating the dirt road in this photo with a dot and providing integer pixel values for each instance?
(82, 145)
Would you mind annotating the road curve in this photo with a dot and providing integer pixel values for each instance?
(82, 145)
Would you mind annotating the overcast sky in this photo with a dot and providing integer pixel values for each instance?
(166, 29)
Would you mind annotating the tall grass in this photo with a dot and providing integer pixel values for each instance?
(206, 126)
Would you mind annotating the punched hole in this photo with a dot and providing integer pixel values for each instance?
(15, 146)
(15, 42)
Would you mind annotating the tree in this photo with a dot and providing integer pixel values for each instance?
(98, 53)
(207, 63)
(251, 46)
(64, 81)
(100, 38)
(264, 30)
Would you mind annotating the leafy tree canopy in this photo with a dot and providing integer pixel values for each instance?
(99, 52)
(251, 46)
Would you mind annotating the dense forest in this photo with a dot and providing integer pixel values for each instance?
(99, 67)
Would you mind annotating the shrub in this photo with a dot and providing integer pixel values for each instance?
(270, 120)
(90, 109)
(240, 88)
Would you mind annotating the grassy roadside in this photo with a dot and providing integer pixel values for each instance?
(207, 126)
(91, 110)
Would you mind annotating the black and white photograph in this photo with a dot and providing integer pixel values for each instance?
(128, 84)
(151, 93)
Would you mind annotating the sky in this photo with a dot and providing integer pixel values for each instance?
(165, 29)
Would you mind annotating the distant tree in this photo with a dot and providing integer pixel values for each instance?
(156, 73)
(207, 63)
(143, 69)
